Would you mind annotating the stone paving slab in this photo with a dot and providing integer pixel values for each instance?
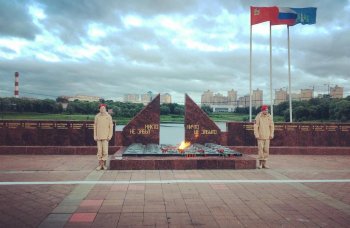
(175, 198)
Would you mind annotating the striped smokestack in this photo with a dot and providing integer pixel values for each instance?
(16, 84)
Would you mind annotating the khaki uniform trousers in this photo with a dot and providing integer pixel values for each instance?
(263, 149)
(102, 150)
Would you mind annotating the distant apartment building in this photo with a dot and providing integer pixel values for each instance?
(336, 92)
(219, 99)
(280, 96)
(306, 94)
(132, 98)
(84, 98)
(257, 98)
(218, 102)
(221, 103)
(295, 96)
(165, 98)
(232, 97)
(146, 98)
(207, 97)
(243, 102)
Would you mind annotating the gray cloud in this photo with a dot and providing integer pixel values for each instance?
(191, 58)
(15, 20)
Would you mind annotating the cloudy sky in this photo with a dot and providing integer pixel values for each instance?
(109, 48)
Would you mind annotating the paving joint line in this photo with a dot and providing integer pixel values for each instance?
(71, 202)
(91, 181)
(322, 197)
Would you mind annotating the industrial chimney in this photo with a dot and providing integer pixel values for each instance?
(16, 84)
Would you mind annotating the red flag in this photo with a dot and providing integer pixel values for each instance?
(262, 14)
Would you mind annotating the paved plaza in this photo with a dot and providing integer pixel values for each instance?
(66, 191)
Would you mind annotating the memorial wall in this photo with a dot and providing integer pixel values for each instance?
(48, 133)
(292, 134)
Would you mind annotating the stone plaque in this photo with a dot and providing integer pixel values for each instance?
(89, 135)
(199, 128)
(62, 132)
(2, 133)
(293, 134)
(14, 133)
(77, 133)
(249, 137)
(29, 136)
(279, 135)
(144, 127)
(319, 135)
(30, 125)
(305, 137)
(332, 131)
(47, 133)
(47, 125)
(344, 135)
(13, 125)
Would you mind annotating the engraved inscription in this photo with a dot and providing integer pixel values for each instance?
(13, 125)
(332, 128)
(319, 128)
(30, 125)
(144, 131)
(77, 126)
(279, 127)
(291, 127)
(345, 128)
(47, 125)
(304, 128)
(62, 125)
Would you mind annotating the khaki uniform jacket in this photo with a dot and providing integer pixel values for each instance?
(103, 127)
(263, 126)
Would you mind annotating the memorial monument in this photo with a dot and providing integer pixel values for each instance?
(199, 128)
(141, 149)
(76, 137)
(144, 127)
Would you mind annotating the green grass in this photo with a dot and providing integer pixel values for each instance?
(217, 117)
(171, 118)
(228, 117)
(45, 116)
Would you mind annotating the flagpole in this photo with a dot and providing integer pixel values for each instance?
(250, 77)
(271, 73)
(290, 83)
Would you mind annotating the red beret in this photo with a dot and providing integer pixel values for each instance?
(102, 105)
(264, 108)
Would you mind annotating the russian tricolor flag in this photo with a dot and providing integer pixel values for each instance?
(286, 16)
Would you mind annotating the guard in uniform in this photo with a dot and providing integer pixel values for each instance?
(103, 132)
(263, 132)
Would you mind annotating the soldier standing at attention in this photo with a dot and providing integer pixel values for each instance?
(103, 132)
(263, 132)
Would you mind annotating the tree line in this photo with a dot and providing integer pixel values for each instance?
(315, 109)
(11, 104)
(25, 105)
(320, 109)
